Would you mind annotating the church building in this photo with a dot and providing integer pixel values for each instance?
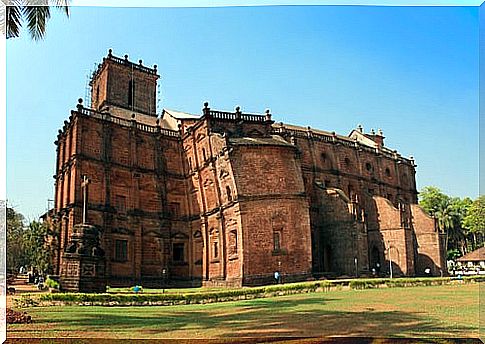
(228, 197)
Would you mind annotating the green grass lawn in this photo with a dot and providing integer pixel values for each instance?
(434, 311)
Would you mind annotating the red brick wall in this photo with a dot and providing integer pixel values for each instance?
(430, 248)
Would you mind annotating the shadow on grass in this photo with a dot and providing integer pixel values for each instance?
(255, 318)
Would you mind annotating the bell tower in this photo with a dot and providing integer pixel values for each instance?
(125, 85)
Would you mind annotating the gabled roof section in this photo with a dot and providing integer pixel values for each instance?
(180, 115)
(473, 256)
(361, 138)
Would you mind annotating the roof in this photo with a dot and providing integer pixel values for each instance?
(473, 256)
(180, 115)
(273, 140)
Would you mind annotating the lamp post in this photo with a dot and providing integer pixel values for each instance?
(84, 185)
(356, 268)
(390, 259)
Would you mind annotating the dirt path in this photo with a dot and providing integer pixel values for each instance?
(21, 287)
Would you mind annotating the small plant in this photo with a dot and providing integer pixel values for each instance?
(50, 283)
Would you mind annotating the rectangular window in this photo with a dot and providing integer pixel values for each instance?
(121, 250)
(121, 204)
(276, 241)
(178, 252)
(216, 250)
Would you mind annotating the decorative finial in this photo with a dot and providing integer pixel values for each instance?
(155, 67)
(80, 100)
(360, 128)
(157, 121)
(372, 131)
(206, 109)
(238, 108)
(126, 57)
(110, 51)
(133, 115)
(79, 104)
(379, 132)
(140, 62)
(268, 115)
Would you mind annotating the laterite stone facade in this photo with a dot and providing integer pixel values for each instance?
(228, 198)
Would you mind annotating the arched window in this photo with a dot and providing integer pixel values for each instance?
(368, 166)
(347, 162)
(216, 250)
(323, 157)
(203, 154)
(228, 193)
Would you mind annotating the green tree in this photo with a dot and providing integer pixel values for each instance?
(15, 240)
(37, 250)
(449, 213)
(36, 17)
(474, 221)
(432, 200)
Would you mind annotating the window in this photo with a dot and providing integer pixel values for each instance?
(323, 157)
(179, 252)
(233, 243)
(97, 95)
(216, 250)
(203, 154)
(228, 193)
(368, 166)
(121, 204)
(276, 240)
(131, 92)
(347, 162)
(327, 183)
(121, 250)
(350, 191)
(190, 164)
(388, 172)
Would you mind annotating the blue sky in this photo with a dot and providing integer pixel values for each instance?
(412, 71)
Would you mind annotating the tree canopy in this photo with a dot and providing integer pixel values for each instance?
(462, 220)
(27, 245)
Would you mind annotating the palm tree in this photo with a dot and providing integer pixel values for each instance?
(445, 218)
(36, 17)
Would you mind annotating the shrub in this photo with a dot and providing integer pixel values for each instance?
(50, 283)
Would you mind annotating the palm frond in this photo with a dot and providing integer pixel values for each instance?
(13, 20)
(63, 5)
(36, 17)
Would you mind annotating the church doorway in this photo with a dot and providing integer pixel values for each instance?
(375, 259)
